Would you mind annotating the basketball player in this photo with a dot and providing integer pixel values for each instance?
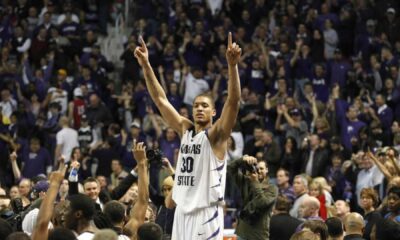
(199, 184)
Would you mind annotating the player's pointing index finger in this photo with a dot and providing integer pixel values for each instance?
(142, 42)
(230, 39)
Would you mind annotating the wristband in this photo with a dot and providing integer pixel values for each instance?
(134, 173)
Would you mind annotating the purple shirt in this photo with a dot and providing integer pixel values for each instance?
(321, 89)
(339, 72)
(288, 192)
(35, 163)
(303, 68)
(168, 148)
(70, 29)
(256, 81)
(348, 129)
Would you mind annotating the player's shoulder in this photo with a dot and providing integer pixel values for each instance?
(186, 125)
(217, 135)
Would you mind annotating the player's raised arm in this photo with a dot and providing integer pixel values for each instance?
(171, 116)
(223, 127)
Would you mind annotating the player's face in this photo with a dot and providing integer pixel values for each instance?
(203, 110)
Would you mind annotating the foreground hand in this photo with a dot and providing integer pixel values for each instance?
(249, 159)
(58, 176)
(166, 164)
(75, 164)
(253, 177)
(13, 156)
(233, 52)
(141, 53)
(139, 152)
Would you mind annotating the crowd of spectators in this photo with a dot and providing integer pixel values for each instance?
(320, 101)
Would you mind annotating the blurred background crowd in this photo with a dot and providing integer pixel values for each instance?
(320, 93)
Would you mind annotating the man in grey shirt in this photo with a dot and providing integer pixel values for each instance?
(300, 188)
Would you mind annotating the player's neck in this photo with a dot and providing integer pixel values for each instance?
(198, 127)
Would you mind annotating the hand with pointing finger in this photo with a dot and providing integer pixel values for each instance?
(141, 53)
(233, 52)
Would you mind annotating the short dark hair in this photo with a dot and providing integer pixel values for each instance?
(206, 95)
(394, 190)
(283, 203)
(318, 227)
(5, 229)
(81, 202)
(18, 236)
(117, 160)
(35, 140)
(60, 233)
(91, 179)
(149, 231)
(287, 174)
(335, 226)
(115, 211)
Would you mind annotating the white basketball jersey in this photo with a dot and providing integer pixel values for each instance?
(200, 176)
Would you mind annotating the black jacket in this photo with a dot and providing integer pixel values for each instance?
(320, 162)
(283, 226)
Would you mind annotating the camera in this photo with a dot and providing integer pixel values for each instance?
(13, 215)
(245, 167)
(155, 157)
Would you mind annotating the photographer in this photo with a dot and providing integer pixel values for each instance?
(258, 197)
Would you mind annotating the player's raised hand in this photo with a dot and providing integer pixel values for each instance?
(233, 52)
(141, 53)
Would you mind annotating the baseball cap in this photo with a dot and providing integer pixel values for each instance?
(84, 117)
(78, 92)
(391, 10)
(41, 186)
(295, 112)
(370, 22)
(135, 124)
